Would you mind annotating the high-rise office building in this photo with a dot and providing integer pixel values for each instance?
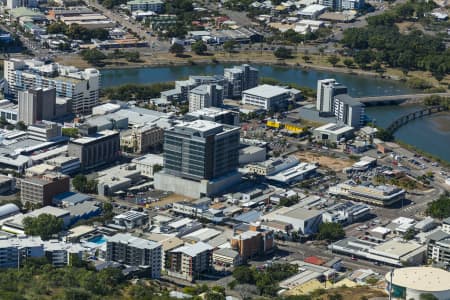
(201, 150)
(348, 111)
(326, 90)
(82, 87)
(241, 78)
(205, 95)
(37, 105)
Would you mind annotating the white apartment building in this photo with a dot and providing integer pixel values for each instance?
(241, 78)
(348, 111)
(268, 97)
(326, 90)
(82, 87)
(206, 95)
(156, 6)
(14, 251)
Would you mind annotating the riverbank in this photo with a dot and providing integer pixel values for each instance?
(315, 62)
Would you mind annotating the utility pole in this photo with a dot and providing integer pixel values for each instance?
(390, 284)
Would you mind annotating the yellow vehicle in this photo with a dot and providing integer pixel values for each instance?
(293, 128)
(273, 123)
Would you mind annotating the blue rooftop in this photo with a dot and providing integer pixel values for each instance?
(71, 198)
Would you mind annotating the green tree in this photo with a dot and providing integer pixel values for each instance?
(306, 58)
(21, 125)
(384, 135)
(229, 46)
(218, 289)
(427, 296)
(44, 225)
(133, 56)
(335, 297)
(76, 294)
(108, 211)
(409, 234)
(211, 295)
(79, 182)
(199, 47)
(93, 56)
(330, 232)
(283, 53)
(348, 62)
(333, 60)
(70, 132)
(176, 49)
(439, 208)
(157, 168)
(244, 274)
(363, 58)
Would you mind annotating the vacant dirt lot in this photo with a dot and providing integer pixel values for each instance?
(354, 293)
(335, 164)
(170, 199)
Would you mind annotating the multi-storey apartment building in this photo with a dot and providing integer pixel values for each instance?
(133, 251)
(348, 110)
(14, 251)
(188, 262)
(205, 95)
(241, 78)
(326, 90)
(253, 242)
(156, 6)
(82, 87)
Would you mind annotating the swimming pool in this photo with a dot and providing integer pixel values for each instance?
(99, 239)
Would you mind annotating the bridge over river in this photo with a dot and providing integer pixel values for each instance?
(414, 115)
(397, 99)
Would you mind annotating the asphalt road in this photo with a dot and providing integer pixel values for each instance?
(297, 251)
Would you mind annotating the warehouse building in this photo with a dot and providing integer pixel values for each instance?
(333, 133)
(382, 195)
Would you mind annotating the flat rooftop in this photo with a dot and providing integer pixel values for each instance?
(334, 128)
(424, 279)
(99, 135)
(200, 125)
(194, 250)
(209, 112)
(302, 213)
(266, 91)
(396, 248)
(126, 238)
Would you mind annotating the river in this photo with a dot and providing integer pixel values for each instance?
(431, 134)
